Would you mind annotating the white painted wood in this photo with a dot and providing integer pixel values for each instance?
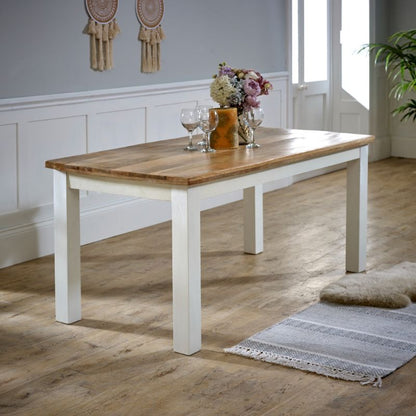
(228, 185)
(348, 115)
(8, 168)
(67, 251)
(152, 94)
(311, 105)
(275, 105)
(403, 147)
(186, 270)
(34, 235)
(35, 129)
(310, 100)
(39, 141)
(117, 129)
(402, 133)
(380, 148)
(356, 229)
(121, 187)
(253, 219)
(164, 120)
(380, 113)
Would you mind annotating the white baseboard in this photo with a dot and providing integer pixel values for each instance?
(25, 242)
(22, 243)
(403, 147)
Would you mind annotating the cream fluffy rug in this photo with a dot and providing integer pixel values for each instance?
(390, 288)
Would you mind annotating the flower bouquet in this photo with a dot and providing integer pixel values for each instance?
(239, 88)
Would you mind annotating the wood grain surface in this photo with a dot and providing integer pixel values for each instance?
(118, 361)
(166, 161)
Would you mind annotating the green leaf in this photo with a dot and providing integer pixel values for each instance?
(399, 55)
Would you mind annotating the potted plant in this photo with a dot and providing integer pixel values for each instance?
(399, 56)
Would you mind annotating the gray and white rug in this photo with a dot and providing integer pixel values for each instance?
(355, 343)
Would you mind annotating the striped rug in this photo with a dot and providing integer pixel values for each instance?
(355, 343)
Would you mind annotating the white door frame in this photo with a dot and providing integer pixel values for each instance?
(335, 104)
(299, 93)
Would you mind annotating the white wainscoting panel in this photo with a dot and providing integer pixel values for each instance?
(8, 167)
(119, 128)
(35, 129)
(380, 114)
(275, 106)
(403, 147)
(403, 134)
(39, 141)
(164, 121)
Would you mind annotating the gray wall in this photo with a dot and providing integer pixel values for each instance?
(401, 15)
(43, 49)
(381, 24)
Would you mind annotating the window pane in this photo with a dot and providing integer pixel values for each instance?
(355, 66)
(316, 40)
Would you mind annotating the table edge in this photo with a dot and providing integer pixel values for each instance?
(214, 176)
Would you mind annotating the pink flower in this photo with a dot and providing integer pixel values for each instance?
(251, 87)
(252, 101)
(244, 87)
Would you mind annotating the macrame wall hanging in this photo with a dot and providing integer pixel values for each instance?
(150, 15)
(102, 28)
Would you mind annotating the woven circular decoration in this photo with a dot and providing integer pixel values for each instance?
(150, 12)
(102, 11)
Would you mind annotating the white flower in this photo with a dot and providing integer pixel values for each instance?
(252, 75)
(221, 90)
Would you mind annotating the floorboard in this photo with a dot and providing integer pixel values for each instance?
(118, 359)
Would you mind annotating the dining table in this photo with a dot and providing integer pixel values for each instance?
(162, 170)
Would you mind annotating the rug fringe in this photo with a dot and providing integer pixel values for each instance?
(364, 379)
(376, 381)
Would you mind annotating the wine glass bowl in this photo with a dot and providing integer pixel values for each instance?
(208, 122)
(254, 117)
(201, 143)
(190, 120)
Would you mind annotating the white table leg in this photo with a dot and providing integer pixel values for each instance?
(67, 251)
(253, 219)
(356, 232)
(186, 271)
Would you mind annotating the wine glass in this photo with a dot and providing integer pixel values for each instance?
(203, 140)
(208, 122)
(254, 118)
(189, 119)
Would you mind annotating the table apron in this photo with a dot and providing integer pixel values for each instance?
(120, 187)
(282, 172)
(163, 192)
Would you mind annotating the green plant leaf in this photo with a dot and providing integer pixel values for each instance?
(399, 56)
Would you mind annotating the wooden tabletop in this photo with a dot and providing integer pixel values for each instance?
(166, 161)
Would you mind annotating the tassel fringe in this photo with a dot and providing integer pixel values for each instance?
(101, 44)
(150, 54)
(364, 379)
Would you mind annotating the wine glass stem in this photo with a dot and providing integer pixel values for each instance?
(190, 139)
(208, 140)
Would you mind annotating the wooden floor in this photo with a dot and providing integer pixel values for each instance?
(118, 360)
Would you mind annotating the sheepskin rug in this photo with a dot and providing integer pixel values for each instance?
(390, 288)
